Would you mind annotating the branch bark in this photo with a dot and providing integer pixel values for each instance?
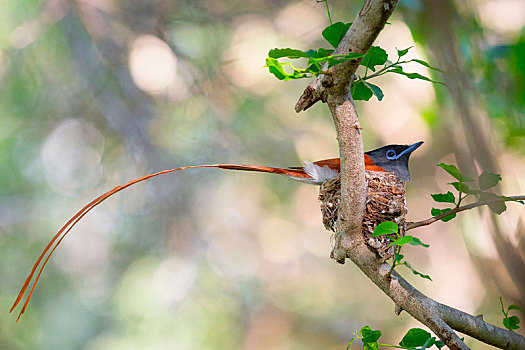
(334, 89)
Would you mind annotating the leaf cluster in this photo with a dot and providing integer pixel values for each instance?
(318, 61)
(466, 186)
(376, 56)
(391, 230)
(414, 339)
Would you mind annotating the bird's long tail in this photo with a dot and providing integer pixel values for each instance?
(59, 236)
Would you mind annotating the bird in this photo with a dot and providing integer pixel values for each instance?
(390, 158)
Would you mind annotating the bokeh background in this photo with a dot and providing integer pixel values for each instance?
(94, 93)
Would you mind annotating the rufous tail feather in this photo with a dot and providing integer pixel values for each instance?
(59, 236)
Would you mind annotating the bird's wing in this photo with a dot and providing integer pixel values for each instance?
(333, 163)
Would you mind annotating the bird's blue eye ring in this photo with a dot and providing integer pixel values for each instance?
(390, 154)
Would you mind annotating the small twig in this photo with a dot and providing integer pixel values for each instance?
(384, 70)
(394, 263)
(460, 199)
(412, 225)
(377, 74)
(327, 10)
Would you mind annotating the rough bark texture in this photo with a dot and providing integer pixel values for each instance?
(349, 242)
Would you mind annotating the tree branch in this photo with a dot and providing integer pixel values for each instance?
(475, 327)
(440, 318)
(413, 225)
(349, 241)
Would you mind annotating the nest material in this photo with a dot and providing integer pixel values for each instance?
(385, 202)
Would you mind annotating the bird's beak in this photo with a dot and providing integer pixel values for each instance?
(410, 149)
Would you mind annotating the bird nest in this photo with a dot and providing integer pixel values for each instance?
(385, 201)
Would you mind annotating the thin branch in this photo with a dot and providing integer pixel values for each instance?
(327, 10)
(376, 74)
(477, 328)
(413, 225)
(383, 70)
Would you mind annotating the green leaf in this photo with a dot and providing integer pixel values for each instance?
(514, 307)
(415, 272)
(416, 241)
(398, 257)
(425, 64)
(360, 91)
(408, 240)
(497, 207)
(461, 187)
(376, 90)
(375, 56)
(444, 197)
(277, 69)
(415, 337)
(335, 33)
(333, 60)
(371, 346)
(315, 58)
(399, 70)
(452, 170)
(436, 212)
(314, 68)
(385, 228)
(290, 53)
(401, 241)
(488, 180)
(370, 335)
(506, 323)
(402, 53)
(511, 322)
(324, 52)
(319, 53)
(430, 341)
(439, 344)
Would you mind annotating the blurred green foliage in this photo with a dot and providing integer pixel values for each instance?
(204, 259)
(503, 86)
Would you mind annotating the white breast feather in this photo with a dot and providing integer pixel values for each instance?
(317, 174)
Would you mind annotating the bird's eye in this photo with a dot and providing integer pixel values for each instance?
(390, 154)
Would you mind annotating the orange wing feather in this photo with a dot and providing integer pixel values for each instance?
(370, 165)
(335, 163)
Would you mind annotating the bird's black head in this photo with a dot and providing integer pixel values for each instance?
(394, 158)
